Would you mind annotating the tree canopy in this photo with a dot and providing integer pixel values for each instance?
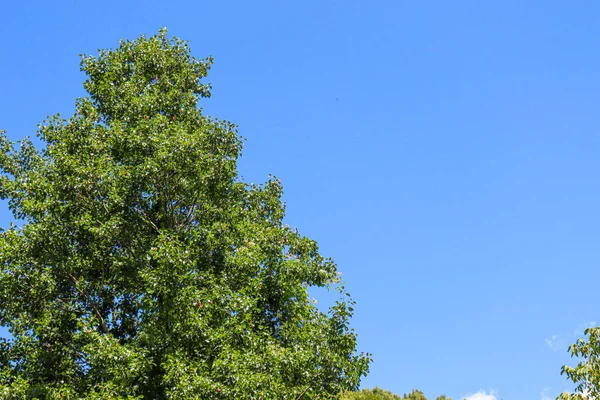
(380, 394)
(141, 266)
(370, 394)
(586, 374)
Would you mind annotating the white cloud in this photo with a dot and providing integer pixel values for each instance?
(545, 395)
(555, 342)
(577, 333)
(482, 395)
(560, 341)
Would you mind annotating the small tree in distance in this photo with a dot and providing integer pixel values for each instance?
(143, 267)
(380, 394)
(370, 394)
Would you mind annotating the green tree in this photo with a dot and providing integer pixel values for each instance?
(586, 374)
(370, 394)
(414, 395)
(143, 267)
(380, 394)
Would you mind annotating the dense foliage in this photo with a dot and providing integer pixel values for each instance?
(586, 374)
(380, 394)
(141, 266)
(370, 394)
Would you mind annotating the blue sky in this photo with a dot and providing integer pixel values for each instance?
(445, 154)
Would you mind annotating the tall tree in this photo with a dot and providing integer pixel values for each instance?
(143, 267)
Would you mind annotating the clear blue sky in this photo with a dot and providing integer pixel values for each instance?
(445, 153)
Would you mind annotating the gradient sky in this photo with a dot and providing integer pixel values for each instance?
(444, 153)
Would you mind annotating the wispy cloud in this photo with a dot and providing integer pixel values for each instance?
(545, 395)
(555, 342)
(578, 332)
(482, 395)
(560, 341)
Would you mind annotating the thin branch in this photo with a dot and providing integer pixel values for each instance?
(190, 213)
(147, 219)
(94, 306)
(105, 207)
(304, 392)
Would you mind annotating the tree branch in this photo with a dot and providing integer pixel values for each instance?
(147, 219)
(92, 302)
(304, 392)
